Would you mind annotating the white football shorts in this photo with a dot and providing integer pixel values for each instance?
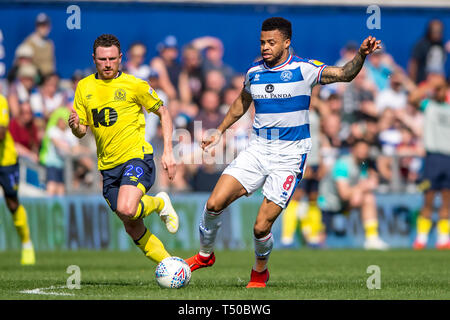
(278, 175)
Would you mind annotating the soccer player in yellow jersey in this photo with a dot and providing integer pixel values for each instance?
(9, 180)
(110, 103)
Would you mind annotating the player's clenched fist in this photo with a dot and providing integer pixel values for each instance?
(369, 45)
(74, 121)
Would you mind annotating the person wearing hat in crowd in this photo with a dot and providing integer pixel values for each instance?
(167, 66)
(23, 56)
(43, 47)
(20, 91)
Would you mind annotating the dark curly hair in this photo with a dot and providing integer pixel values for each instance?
(106, 40)
(280, 24)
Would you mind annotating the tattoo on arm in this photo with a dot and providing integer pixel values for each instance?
(346, 73)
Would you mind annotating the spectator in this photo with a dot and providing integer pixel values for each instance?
(151, 119)
(23, 56)
(25, 133)
(58, 143)
(214, 80)
(179, 183)
(135, 61)
(47, 98)
(361, 90)
(20, 91)
(394, 97)
(69, 92)
(429, 54)
(167, 66)
(410, 150)
(209, 114)
(191, 79)
(43, 47)
(330, 141)
(379, 67)
(351, 185)
(213, 51)
(237, 82)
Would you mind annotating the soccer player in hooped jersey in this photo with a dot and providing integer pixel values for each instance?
(110, 103)
(280, 86)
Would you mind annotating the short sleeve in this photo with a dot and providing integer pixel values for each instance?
(80, 106)
(340, 171)
(4, 112)
(312, 71)
(147, 97)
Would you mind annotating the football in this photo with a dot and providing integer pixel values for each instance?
(173, 272)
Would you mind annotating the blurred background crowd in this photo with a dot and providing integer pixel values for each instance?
(381, 105)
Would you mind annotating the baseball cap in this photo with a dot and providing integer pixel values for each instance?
(24, 51)
(42, 18)
(168, 42)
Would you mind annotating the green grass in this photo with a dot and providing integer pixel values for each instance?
(295, 274)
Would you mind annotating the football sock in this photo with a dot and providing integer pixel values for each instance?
(21, 224)
(443, 227)
(263, 248)
(423, 228)
(147, 205)
(289, 222)
(371, 228)
(152, 247)
(209, 225)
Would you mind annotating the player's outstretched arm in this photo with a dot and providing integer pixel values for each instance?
(349, 71)
(167, 159)
(237, 109)
(78, 129)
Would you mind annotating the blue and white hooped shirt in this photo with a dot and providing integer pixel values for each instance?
(282, 96)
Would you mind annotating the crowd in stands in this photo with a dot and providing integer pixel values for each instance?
(198, 87)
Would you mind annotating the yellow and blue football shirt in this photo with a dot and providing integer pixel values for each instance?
(113, 111)
(8, 153)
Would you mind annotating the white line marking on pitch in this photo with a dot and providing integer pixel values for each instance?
(41, 291)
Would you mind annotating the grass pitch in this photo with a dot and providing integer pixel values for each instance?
(295, 274)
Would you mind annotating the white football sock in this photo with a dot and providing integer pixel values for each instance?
(263, 248)
(209, 225)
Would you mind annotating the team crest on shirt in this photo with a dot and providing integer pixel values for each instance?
(286, 75)
(120, 95)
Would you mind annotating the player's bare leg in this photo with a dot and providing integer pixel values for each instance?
(227, 190)
(267, 214)
(128, 203)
